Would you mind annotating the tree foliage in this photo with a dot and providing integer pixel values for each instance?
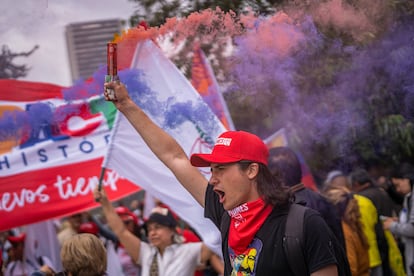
(377, 113)
(156, 12)
(10, 70)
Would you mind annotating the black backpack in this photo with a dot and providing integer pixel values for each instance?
(292, 241)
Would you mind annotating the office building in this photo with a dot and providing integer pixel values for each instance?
(86, 45)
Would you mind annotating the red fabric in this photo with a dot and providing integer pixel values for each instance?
(189, 235)
(309, 182)
(17, 239)
(246, 220)
(203, 80)
(89, 227)
(14, 90)
(36, 183)
(143, 24)
(126, 214)
(33, 196)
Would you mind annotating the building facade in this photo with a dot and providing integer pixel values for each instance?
(86, 45)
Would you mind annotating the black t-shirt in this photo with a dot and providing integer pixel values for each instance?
(266, 255)
(327, 210)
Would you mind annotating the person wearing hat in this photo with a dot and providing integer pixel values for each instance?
(164, 253)
(131, 222)
(241, 186)
(24, 265)
(403, 226)
(89, 227)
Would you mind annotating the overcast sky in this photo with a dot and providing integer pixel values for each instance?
(26, 23)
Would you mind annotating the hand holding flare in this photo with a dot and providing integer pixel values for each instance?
(120, 96)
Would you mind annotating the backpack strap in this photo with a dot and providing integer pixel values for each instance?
(224, 229)
(293, 240)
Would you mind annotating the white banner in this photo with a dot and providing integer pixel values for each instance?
(164, 93)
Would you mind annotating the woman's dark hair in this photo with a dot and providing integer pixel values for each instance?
(405, 170)
(360, 176)
(269, 187)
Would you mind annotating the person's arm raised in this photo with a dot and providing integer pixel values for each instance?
(130, 242)
(161, 143)
(216, 261)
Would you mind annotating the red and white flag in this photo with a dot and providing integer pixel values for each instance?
(52, 143)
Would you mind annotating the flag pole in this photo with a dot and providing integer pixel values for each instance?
(108, 152)
(101, 177)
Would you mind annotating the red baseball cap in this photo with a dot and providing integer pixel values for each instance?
(17, 239)
(233, 146)
(126, 214)
(89, 227)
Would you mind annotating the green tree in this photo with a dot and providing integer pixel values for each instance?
(156, 12)
(376, 127)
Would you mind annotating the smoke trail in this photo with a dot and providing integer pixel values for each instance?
(314, 69)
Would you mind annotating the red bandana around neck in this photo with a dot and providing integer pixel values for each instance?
(246, 220)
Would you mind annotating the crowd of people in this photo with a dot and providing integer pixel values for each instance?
(131, 244)
(355, 224)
